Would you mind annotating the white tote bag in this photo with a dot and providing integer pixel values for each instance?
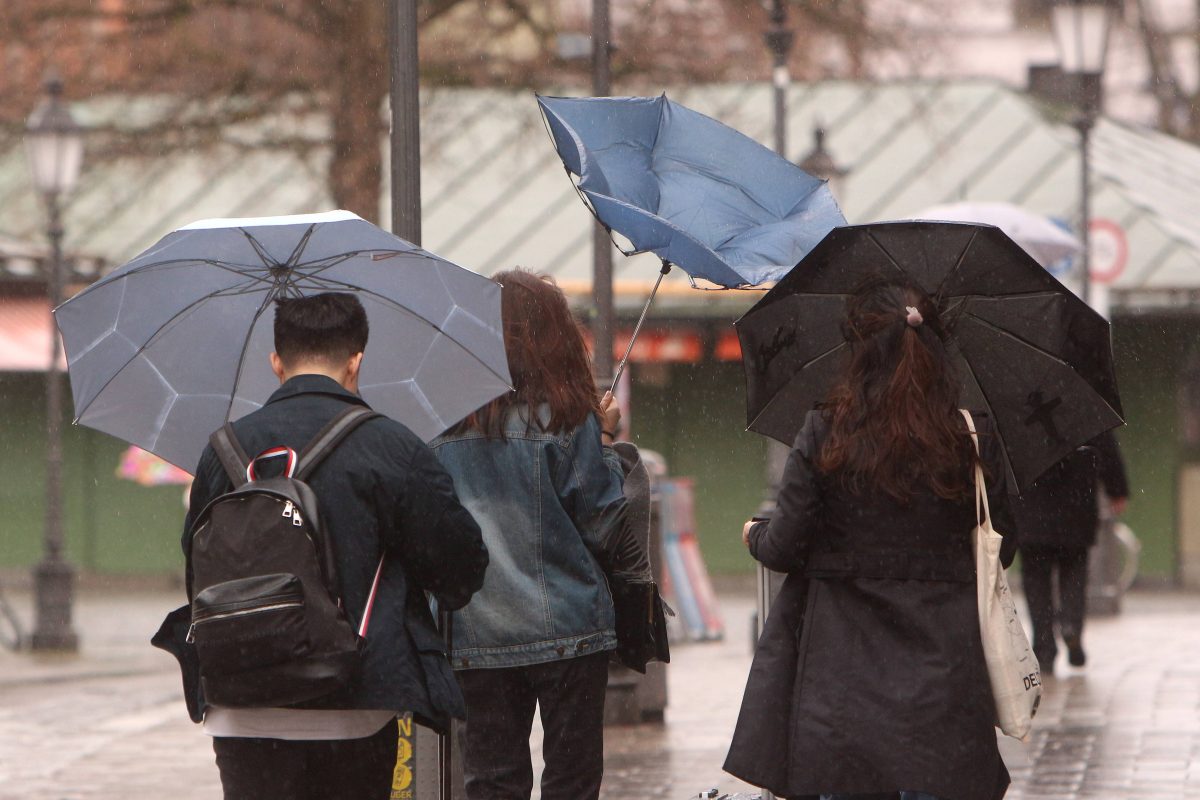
(1012, 668)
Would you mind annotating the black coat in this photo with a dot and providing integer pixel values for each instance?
(869, 676)
(1060, 509)
(382, 490)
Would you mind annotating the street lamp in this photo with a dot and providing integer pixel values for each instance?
(820, 164)
(1081, 35)
(779, 39)
(54, 144)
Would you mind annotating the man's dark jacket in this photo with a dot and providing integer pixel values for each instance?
(382, 491)
(1060, 509)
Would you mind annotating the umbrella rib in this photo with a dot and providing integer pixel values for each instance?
(962, 257)
(390, 301)
(1037, 349)
(294, 258)
(887, 255)
(237, 375)
(263, 255)
(796, 374)
(987, 404)
(190, 307)
(245, 270)
(955, 305)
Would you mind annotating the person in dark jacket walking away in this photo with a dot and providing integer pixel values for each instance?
(381, 493)
(1058, 517)
(869, 677)
(537, 470)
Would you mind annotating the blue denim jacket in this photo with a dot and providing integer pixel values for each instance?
(544, 504)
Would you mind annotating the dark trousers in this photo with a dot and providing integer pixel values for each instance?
(1038, 567)
(884, 796)
(279, 769)
(500, 703)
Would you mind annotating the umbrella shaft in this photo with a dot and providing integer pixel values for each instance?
(638, 328)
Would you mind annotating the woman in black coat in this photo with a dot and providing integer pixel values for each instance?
(869, 678)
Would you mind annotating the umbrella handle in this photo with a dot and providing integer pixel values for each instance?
(666, 267)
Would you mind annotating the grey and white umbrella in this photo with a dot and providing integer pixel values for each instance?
(165, 349)
(1037, 235)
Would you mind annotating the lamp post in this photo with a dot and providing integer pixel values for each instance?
(1081, 29)
(820, 164)
(54, 143)
(779, 39)
(1081, 34)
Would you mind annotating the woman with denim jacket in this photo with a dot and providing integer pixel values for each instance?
(537, 471)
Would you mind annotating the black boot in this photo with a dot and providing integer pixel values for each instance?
(1075, 655)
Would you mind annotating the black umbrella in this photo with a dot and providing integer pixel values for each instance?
(1029, 352)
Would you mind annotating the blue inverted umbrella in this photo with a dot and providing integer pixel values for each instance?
(695, 192)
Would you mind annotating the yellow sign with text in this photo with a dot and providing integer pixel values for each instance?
(402, 776)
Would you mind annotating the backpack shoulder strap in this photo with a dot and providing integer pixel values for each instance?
(330, 437)
(231, 453)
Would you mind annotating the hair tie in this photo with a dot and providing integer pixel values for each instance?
(914, 317)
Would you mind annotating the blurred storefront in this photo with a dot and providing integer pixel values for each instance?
(495, 196)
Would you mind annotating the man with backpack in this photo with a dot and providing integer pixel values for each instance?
(308, 574)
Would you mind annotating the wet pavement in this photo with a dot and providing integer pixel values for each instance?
(110, 723)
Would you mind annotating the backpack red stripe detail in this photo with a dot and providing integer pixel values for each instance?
(274, 452)
(366, 617)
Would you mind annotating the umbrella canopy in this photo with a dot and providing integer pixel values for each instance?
(697, 193)
(1028, 351)
(1040, 237)
(165, 349)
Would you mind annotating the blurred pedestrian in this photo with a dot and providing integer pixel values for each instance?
(1059, 516)
(537, 470)
(869, 678)
(381, 492)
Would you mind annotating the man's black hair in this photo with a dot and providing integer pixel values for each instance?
(327, 327)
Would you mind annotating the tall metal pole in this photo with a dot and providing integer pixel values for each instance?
(602, 267)
(54, 578)
(406, 120)
(779, 40)
(431, 755)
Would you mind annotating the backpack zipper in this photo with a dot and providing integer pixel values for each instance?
(191, 634)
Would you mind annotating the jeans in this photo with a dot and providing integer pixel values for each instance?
(500, 704)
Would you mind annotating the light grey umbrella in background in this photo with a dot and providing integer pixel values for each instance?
(1036, 233)
(165, 349)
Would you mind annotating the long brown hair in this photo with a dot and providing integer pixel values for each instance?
(547, 357)
(894, 423)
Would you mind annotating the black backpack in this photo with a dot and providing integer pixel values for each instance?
(267, 617)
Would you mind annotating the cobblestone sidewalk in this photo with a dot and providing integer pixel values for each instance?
(110, 724)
